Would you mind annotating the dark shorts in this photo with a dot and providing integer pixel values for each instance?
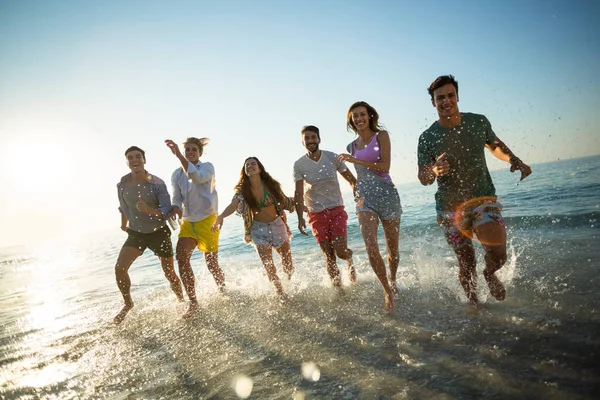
(159, 241)
(458, 226)
(328, 224)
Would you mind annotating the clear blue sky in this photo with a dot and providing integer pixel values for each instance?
(80, 81)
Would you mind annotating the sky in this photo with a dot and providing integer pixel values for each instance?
(82, 81)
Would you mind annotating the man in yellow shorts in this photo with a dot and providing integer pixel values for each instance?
(195, 200)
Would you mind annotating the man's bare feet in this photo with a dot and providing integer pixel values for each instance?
(121, 315)
(221, 288)
(192, 309)
(496, 287)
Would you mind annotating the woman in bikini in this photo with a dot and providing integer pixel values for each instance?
(376, 196)
(260, 200)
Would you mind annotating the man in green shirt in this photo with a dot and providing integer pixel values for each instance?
(452, 152)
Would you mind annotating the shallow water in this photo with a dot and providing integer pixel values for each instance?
(57, 339)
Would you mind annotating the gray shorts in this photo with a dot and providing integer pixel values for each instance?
(274, 233)
(380, 198)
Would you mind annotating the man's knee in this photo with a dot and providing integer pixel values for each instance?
(496, 256)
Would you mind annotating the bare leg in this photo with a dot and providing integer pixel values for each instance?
(266, 256)
(368, 226)
(285, 253)
(340, 245)
(467, 271)
(185, 248)
(391, 231)
(330, 263)
(126, 257)
(212, 262)
(493, 238)
(169, 271)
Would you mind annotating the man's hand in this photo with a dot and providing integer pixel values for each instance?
(144, 208)
(175, 213)
(518, 165)
(441, 167)
(173, 146)
(302, 226)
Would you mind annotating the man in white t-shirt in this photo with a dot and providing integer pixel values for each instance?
(322, 197)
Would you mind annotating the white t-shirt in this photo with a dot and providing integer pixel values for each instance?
(321, 185)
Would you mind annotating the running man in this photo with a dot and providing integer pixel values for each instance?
(323, 199)
(452, 152)
(195, 200)
(144, 206)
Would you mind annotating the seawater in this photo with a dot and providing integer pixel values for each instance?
(57, 340)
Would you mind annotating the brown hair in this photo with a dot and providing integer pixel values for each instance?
(134, 148)
(373, 117)
(272, 186)
(442, 81)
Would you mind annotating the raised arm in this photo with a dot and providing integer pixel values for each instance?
(501, 151)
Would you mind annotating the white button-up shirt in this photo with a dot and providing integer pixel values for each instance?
(195, 192)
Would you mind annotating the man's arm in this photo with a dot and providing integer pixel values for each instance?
(501, 151)
(429, 172)
(123, 222)
(299, 200)
(349, 177)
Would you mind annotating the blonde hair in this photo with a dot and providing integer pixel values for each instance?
(198, 142)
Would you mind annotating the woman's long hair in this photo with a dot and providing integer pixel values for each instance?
(373, 117)
(243, 185)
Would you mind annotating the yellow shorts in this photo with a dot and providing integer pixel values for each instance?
(208, 241)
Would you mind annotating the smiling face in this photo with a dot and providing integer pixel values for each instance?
(445, 100)
(192, 153)
(135, 161)
(311, 141)
(251, 167)
(360, 118)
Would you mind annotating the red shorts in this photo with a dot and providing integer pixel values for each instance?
(328, 224)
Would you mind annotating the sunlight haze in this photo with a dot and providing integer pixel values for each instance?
(82, 81)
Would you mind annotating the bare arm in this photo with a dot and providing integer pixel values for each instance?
(501, 151)
(226, 213)
(349, 177)
(299, 200)
(429, 172)
(175, 149)
(383, 165)
(123, 222)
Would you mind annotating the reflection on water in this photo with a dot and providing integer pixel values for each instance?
(57, 339)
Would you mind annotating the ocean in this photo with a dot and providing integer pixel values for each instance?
(58, 298)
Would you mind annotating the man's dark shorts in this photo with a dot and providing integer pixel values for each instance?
(159, 241)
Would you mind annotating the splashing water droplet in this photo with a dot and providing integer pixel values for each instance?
(243, 386)
(310, 371)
